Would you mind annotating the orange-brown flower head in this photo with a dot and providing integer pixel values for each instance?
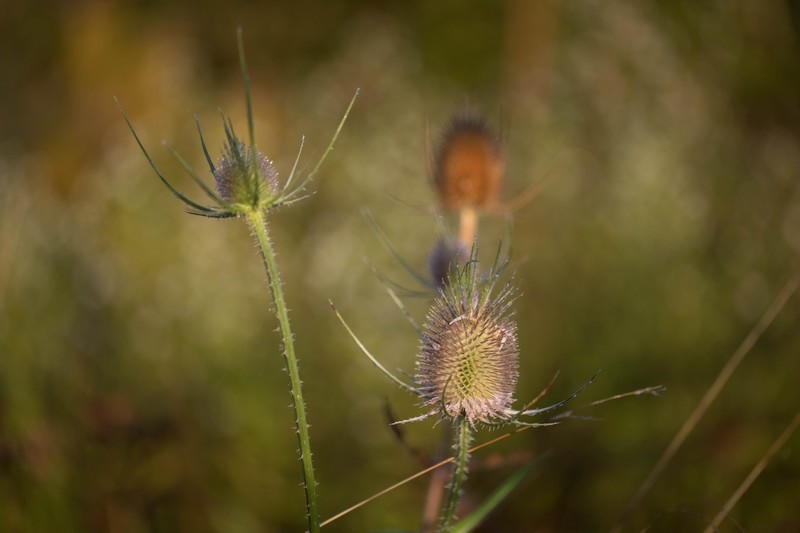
(467, 364)
(468, 164)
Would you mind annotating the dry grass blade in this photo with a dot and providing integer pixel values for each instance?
(751, 477)
(711, 394)
(647, 390)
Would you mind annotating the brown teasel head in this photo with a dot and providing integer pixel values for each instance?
(468, 358)
(469, 163)
(233, 175)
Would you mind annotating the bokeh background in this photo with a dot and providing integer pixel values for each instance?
(141, 386)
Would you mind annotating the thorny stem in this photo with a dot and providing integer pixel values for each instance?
(463, 440)
(467, 228)
(257, 222)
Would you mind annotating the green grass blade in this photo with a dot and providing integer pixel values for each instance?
(472, 520)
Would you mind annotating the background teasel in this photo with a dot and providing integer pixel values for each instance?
(445, 257)
(468, 162)
(468, 167)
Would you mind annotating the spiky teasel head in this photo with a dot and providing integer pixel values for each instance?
(239, 181)
(468, 358)
(246, 180)
(468, 163)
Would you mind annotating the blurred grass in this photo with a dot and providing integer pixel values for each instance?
(140, 380)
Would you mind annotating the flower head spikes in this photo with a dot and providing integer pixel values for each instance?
(467, 361)
(246, 180)
(468, 357)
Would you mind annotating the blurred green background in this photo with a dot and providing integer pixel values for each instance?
(141, 386)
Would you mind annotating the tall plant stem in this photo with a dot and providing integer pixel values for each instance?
(463, 441)
(257, 222)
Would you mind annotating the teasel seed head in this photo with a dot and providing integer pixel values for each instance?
(469, 163)
(445, 257)
(468, 359)
(235, 181)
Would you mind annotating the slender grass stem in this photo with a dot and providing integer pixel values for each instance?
(257, 222)
(711, 394)
(463, 440)
(753, 475)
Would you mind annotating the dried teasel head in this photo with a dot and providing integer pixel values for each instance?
(468, 358)
(239, 181)
(468, 163)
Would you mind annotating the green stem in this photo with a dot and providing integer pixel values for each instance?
(463, 441)
(257, 222)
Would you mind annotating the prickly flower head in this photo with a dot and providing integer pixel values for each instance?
(468, 355)
(236, 183)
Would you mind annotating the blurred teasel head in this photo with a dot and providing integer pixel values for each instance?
(445, 258)
(468, 358)
(468, 163)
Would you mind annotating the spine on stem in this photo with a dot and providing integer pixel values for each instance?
(462, 444)
(257, 223)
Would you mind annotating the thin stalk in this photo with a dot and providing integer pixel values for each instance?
(753, 475)
(655, 391)
(467, 226)
(257, 222)
(711, 394)
(463, 440)
(433, 500)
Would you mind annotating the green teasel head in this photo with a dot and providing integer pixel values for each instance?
(240, 181)
(246, 181)
(468, 357)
